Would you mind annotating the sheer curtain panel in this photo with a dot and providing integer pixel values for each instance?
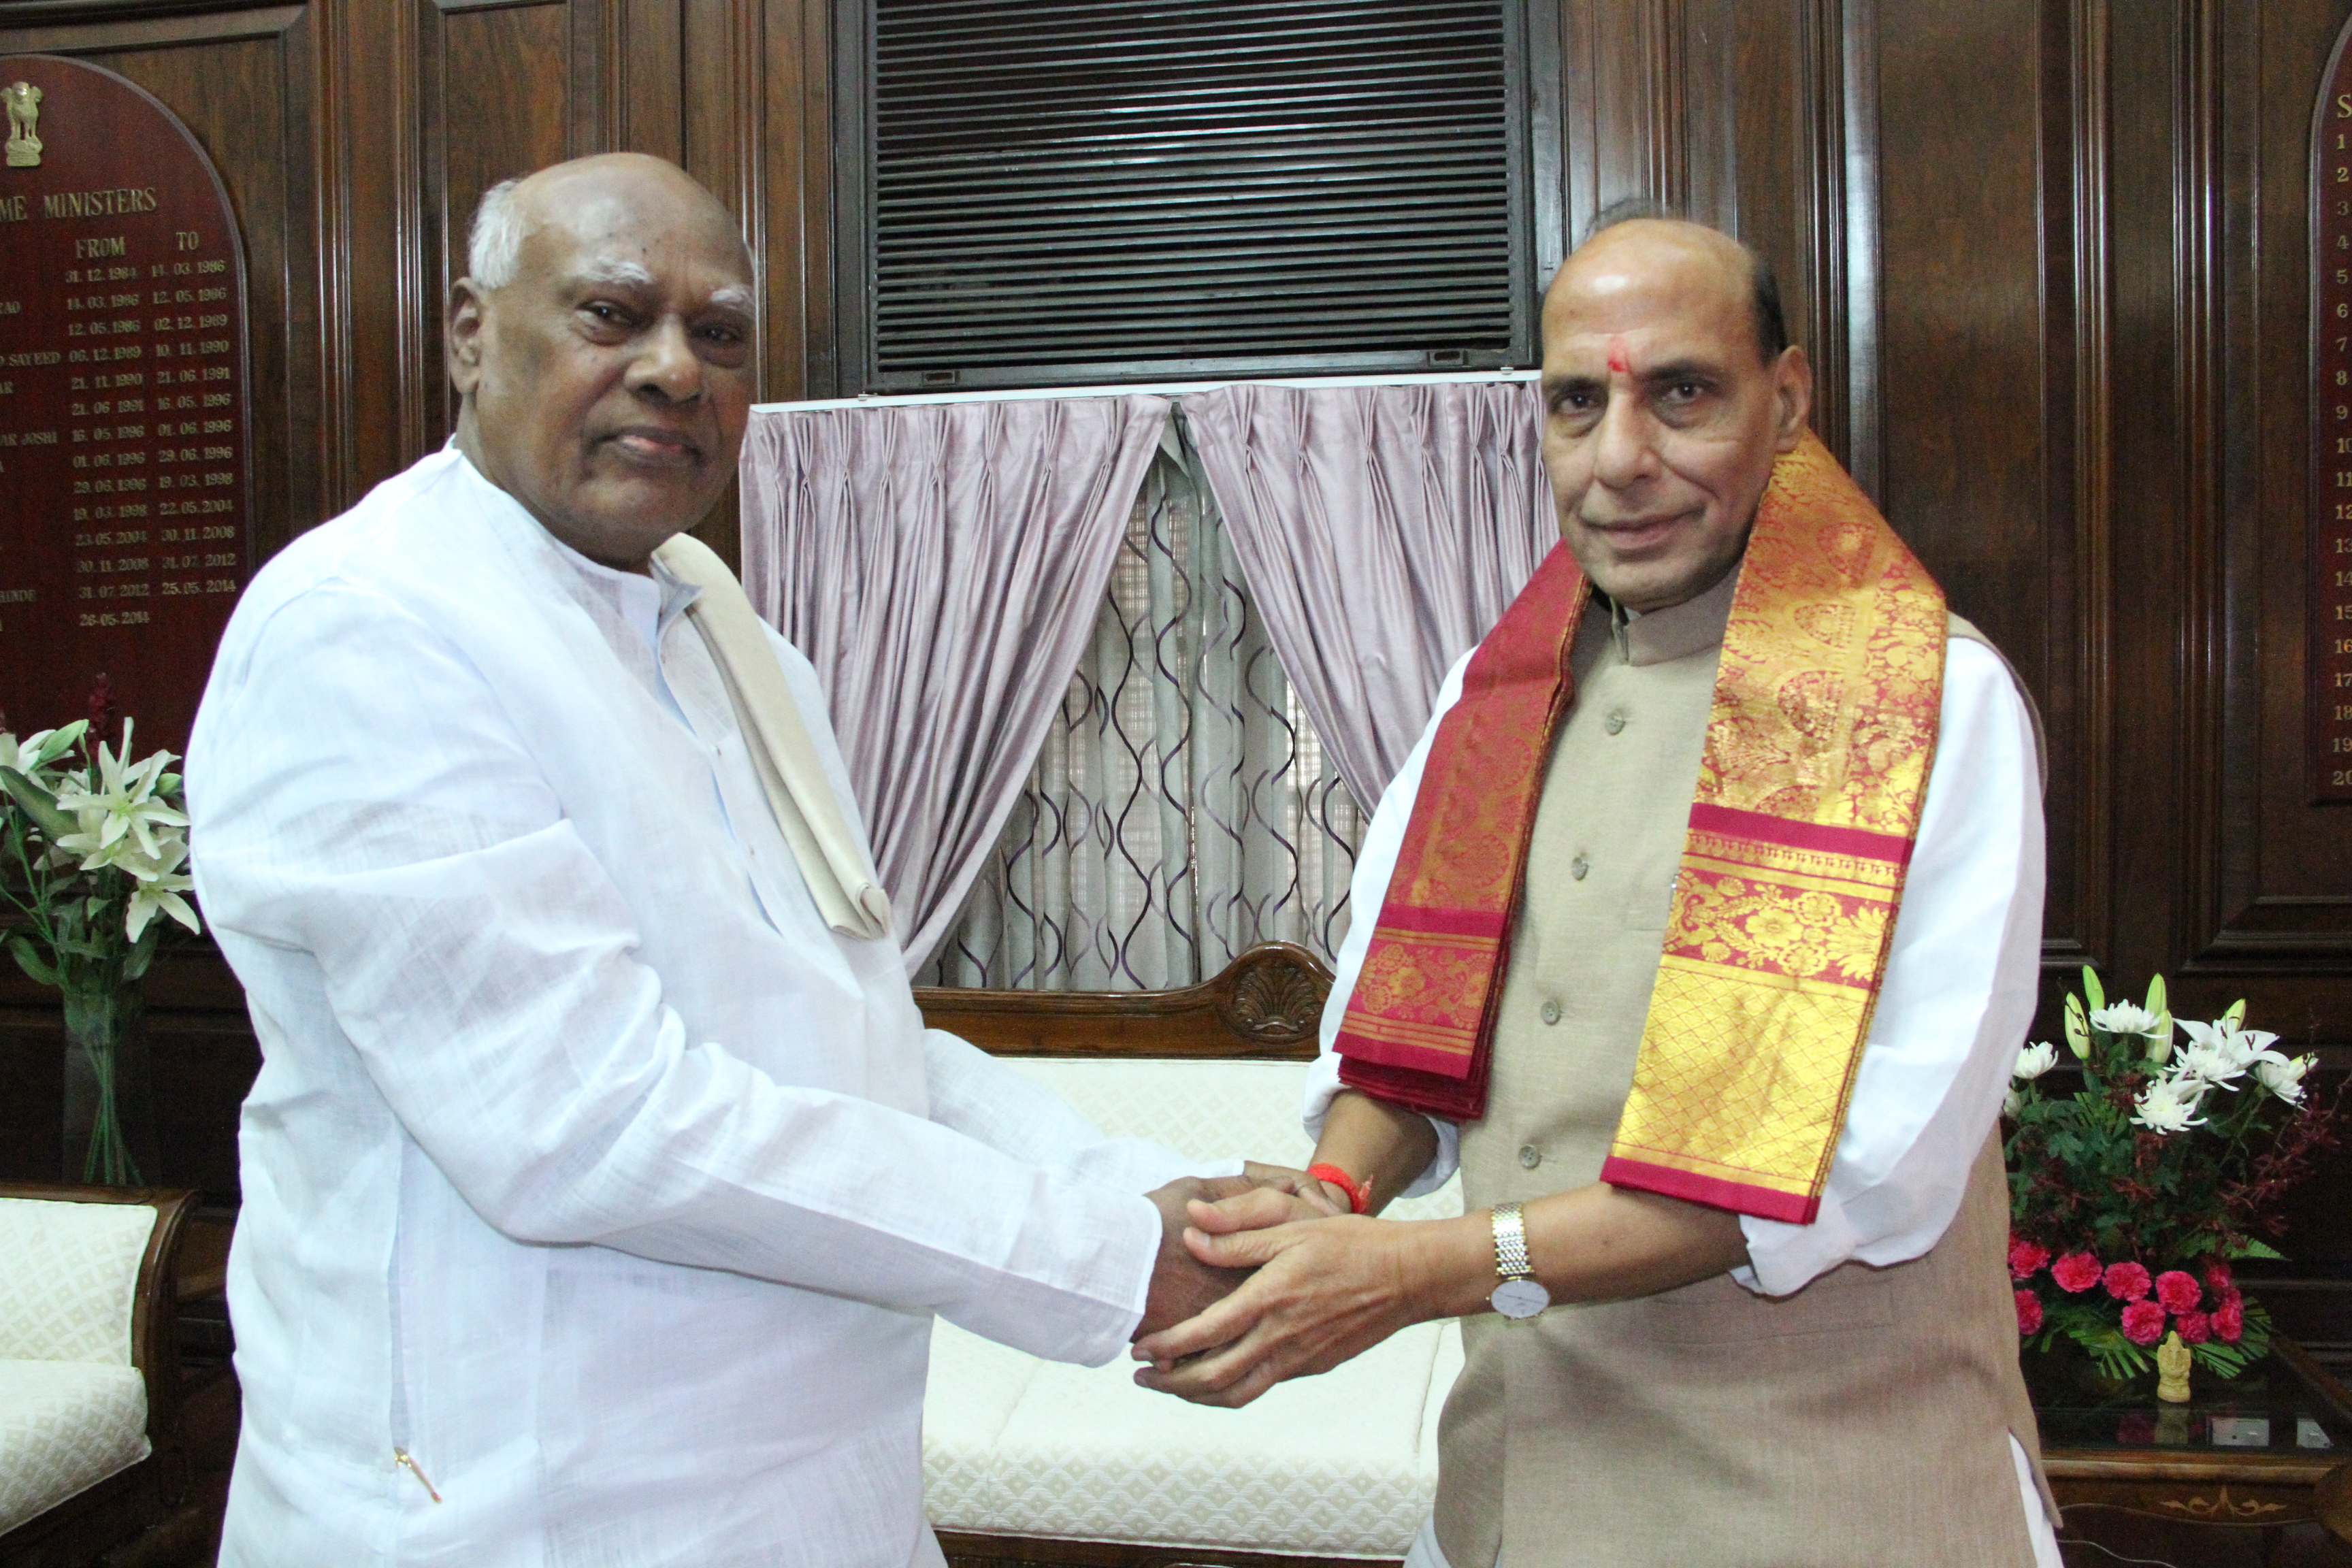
(1383, 530)
(942, 567)
(1182, 808)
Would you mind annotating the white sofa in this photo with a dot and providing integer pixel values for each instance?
(1343, 1465)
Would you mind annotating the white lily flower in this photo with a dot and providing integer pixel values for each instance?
(2283, 1075)
(24, 755)
(2034, 1060)
(2170, 1105)
(121, 810)
(2226, 1041)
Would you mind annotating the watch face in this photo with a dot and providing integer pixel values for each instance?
(1519, 1299)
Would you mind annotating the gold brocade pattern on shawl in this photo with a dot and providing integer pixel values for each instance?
(1822, 736)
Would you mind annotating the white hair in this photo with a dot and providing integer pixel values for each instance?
(494, 248)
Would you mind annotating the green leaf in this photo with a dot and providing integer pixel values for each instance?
(2259, 1249)
(2092, 990)
(21, 949)
(39, 804)
(142, 951)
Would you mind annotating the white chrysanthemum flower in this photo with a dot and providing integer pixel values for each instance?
(2170, 1105)
(2011, 1103)
(2283, 1075)
(2034, 1060)
(2125, 1018)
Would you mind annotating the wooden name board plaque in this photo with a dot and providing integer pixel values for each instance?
(124, 459)
(2331, 429)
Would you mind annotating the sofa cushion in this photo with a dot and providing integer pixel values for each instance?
(1344, 1465)
(72, 1271)
(65, 1426)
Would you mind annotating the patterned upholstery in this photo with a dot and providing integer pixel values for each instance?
(72, 1270)
(65, 1425)
(73, 1409)
(1341, 1464)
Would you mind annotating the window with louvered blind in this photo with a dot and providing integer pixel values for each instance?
(1050, 192)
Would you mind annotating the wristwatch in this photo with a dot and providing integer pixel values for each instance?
(1522, 1295)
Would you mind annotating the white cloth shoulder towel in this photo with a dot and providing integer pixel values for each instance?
(840, 876)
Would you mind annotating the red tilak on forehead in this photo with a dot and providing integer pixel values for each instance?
(1619, 360)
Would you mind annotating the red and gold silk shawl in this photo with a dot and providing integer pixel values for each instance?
(1819, 743)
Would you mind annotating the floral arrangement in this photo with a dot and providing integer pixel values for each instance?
(93, 847)
(2130, 1199)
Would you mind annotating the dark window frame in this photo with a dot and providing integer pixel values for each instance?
(1532, 46)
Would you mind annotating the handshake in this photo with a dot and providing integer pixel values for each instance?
(1220, 1326)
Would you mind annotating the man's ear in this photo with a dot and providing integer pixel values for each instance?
(462, 339)
(1792, 396)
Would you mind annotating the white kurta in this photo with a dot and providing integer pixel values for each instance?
(1962, 978)
(586, 1167)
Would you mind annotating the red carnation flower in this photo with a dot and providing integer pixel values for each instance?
(2025, 1257)
(2195, 1327)
(2179, 1292)
(2028, 1313)
(2126, 1281)
(2218, 1278)
(2143, 1322)
(2229, 1318)
(2076, 1272)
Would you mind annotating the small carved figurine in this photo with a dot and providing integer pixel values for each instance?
(2172, 1361)
(23, 114)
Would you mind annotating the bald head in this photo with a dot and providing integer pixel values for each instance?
(601, 344)
(1663, 411)
(510, 209)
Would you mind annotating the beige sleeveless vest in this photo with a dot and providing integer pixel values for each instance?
(1863, 1420)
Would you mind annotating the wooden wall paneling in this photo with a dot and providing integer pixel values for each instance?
(638, 55)
(1621, 99)
(2266, 895)
(797, 254)
(2071, 659)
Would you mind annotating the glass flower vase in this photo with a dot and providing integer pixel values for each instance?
(110, 1120)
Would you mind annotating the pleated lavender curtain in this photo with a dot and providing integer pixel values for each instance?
(942, 567)
(1383, 530)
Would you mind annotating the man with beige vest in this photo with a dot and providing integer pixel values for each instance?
(1708, 927)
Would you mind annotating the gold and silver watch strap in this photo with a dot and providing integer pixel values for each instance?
(1520, 1295)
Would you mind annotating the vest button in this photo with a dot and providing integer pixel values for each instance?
(1550, 1012)
(1615, 722)
(1578, 867)
(1529, 1156)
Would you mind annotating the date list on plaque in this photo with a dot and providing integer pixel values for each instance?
(124, 448)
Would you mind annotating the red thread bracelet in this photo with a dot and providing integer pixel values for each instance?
(1359, 1200)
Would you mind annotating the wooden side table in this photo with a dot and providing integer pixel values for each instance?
(2270, 1449)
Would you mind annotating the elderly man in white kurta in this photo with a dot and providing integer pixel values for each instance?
(601, 1180)
(1719, 1054)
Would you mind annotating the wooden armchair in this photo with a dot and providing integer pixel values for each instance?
(91, 1460)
